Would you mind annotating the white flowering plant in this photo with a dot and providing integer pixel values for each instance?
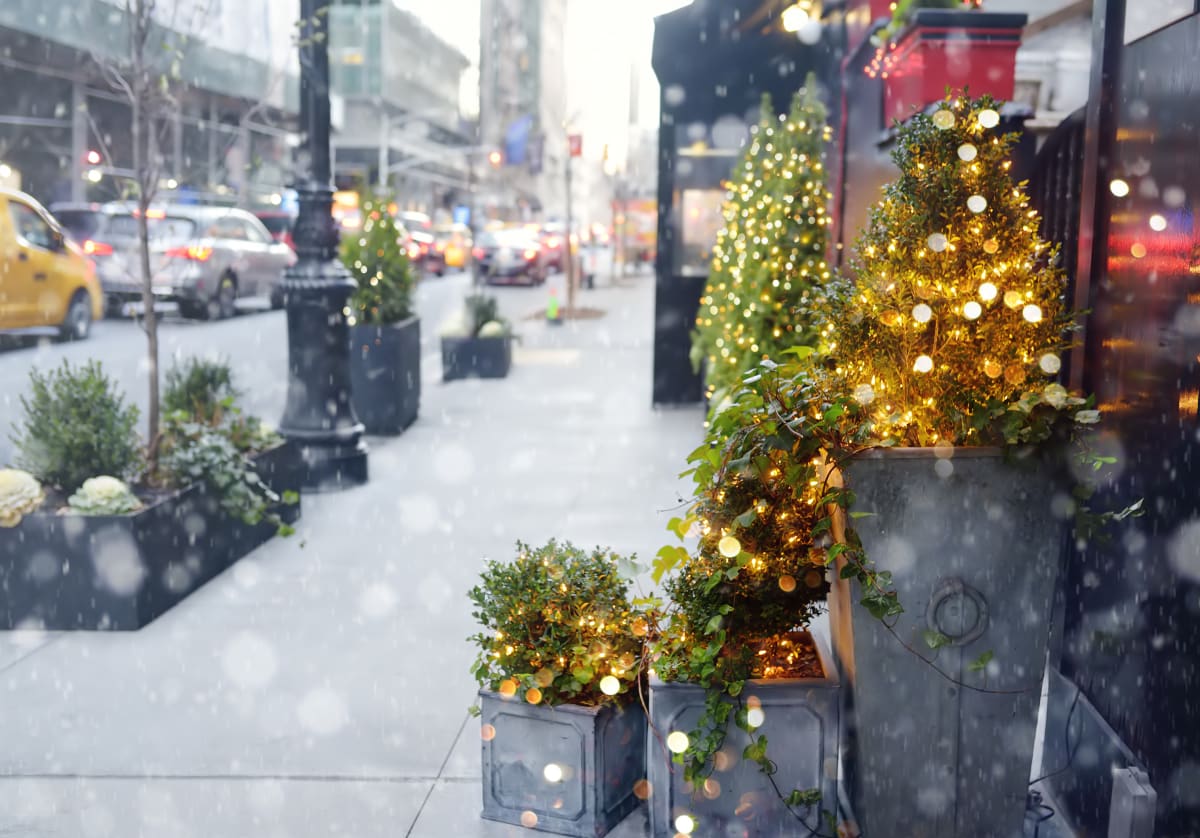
(104, 495)
(20, 494)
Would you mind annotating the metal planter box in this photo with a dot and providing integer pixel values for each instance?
(596, 754)
(801, 726)
(476, 357)
(120, 572)
(974, 550)
(385, 375)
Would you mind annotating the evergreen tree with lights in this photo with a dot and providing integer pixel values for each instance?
(768, 266)
(956, 324)
(377, 260)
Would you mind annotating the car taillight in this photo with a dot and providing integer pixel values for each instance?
(478, 253)
(94, 248)
(531, 254)
(193, 253)
(553, 242)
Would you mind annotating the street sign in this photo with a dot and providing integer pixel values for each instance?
(576, 143)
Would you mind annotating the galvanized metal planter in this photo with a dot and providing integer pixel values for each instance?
(567, 769)
(801, 725)
(120, 572)
(476, 357)
(385, 375)
(974, 550)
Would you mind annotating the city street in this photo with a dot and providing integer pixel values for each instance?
(320, 687)
(255, 342)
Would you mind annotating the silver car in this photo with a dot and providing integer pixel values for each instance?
(203, 258)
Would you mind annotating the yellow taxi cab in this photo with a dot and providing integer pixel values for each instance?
(46, 280)
(454, 243)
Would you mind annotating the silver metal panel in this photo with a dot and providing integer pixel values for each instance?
(974, 552)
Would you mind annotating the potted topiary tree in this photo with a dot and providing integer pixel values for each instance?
(105, 543)
(560, 656)
(734, 663)
(952, 433)
(768, 268)
(477, 343)
(385, 333)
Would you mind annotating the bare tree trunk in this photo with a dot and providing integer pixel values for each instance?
(145, 172)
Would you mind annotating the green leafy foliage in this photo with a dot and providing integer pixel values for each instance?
(199, 387)
(764, 293)
(380, 266)
(556, 621)
(76, 425)
(194, 452)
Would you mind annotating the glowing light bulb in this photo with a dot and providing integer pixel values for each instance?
(923, 364)
(989, 118)
(987, 292)
(1119, 188)
(864, 394)
(937, 242)
(729, 547)
(922, 313)
(755, 717)
(1013, 299)
(787, 583)
(794, 18)
(1032, 313)
(977, 204)
(992, 370)
(1158, 223)
(991, 246)
(1138, 250)
(677, 742)
(967, 152)
(1050, 363)
(684, 825)
(972, 310)
(553, 773)
(943, 119)
(609, 685)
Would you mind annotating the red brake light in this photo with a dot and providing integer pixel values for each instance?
(531, 253)
(94, 248)
(194, 253)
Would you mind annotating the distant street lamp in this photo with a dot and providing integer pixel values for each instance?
(319, 419)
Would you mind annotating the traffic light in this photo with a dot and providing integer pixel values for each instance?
(93, 157)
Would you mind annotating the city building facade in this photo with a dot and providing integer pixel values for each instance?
(402, 131)
(65, 123)
(523, 111)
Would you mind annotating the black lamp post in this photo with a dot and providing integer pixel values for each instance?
(319, 419)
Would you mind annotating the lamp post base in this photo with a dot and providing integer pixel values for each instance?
(325, 467)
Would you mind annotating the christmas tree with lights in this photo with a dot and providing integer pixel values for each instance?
(956, 325)
(768, 268)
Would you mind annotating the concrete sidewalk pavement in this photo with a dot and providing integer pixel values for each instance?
(320, 687)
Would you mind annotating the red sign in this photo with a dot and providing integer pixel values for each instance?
(576, 143)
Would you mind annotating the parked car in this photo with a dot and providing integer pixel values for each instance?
(203, 258)
(423, 254)
(553, 238)
(45, 279)
(279, 224)
(510, 256)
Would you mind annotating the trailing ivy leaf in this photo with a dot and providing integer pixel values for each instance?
(668, 558)
(713, 625)
(747, 518)
(935, 639)
(735, 688)
(980, 663)
(857, 515)
(807, 798)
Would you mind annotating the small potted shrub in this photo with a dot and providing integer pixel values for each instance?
(560, 656)
(115, 544)
(477, 343)
(932, 45)
(734, 663)
(385, 333)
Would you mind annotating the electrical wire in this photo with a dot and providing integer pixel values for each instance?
(1033, 803)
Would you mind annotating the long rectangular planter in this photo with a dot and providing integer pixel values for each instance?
(944, 48)
(566, 769)
(385, 375)
(974, 550)
(801, 726)
(118, 573)
(476, 357)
